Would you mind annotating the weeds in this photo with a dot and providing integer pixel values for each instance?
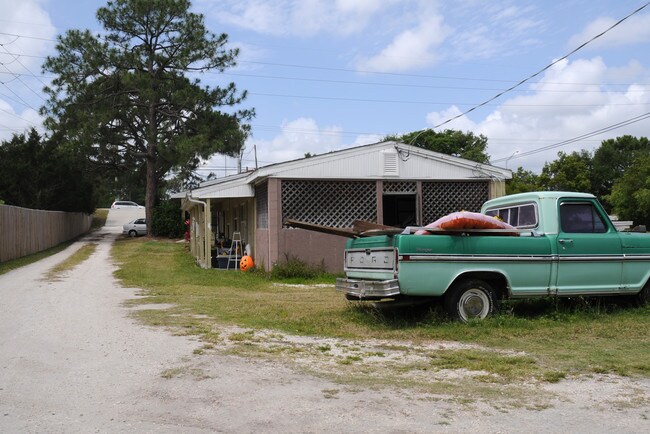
(294, 268)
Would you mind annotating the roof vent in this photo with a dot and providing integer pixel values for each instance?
(391, 163)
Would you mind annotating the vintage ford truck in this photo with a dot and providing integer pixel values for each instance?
(565, 245)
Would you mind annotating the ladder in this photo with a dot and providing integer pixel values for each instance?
(234, 254)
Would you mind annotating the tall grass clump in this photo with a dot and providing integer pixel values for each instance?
(294, 268)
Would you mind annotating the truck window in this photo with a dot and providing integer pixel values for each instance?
(581, 218)
(519, 216)
(527, 216)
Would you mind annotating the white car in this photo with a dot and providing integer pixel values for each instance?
(118, 204)
(135, 228)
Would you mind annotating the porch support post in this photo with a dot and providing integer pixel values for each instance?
(276, 244)
(379, 186)
(208, 235)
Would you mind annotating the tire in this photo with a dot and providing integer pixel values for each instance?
(643, 297)
(133, 233)
(470, 299)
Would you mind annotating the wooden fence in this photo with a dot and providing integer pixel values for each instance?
(25, 231)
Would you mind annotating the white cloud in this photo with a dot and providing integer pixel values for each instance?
(557, 110)
(635, 30)
(298, 17)
(297, 137)
(254, 15)
(12, 122)
(483, 30)
(366, 139)
(411, 49)
(462, 123)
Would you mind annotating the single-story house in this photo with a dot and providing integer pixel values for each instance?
(387, 183)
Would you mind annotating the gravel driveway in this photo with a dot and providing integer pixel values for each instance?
(72, 360)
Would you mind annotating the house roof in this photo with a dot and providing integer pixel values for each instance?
(386, 160)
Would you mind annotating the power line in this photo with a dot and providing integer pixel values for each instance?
(27, 37)
(456, 78)
(25, 103)
(643, 88)
(577, 138)
(442, 103)
(6, 128)
(319, 80)
(16, 116)
(543, 69)
(17, 59)
(13, 99)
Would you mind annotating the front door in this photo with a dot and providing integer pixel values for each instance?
(589, 251)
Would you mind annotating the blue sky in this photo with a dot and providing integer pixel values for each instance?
(325, 75)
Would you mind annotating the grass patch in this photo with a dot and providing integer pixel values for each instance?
(197, 374)
(72, 261)
(6, 267)
(544, 339)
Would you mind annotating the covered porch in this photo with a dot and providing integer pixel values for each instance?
(221, 229)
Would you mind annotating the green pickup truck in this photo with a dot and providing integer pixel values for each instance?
(565, 246)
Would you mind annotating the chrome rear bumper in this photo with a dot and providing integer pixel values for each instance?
(371, 289)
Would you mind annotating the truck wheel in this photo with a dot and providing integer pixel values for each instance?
(643, 297)
(470, 299)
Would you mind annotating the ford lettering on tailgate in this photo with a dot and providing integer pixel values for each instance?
(370, 259)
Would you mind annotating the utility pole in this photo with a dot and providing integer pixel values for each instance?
(255, 152)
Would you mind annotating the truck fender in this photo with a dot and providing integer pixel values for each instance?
(497, 280)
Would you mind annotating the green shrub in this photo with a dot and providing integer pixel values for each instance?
(167, 220)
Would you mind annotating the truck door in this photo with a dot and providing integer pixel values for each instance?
(589, 251)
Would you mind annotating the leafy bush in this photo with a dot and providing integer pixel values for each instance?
(167, 220)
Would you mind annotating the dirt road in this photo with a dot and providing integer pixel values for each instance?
(72, 360)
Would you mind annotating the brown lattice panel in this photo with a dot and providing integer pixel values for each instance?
(442, 198)
(329, 203)
(400, 187)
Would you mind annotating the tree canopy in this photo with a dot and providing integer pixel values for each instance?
(522, 181)
(451, 142)
(631, 192)
(570, 172)
(130, 99)
(38, 173)
(613, 159)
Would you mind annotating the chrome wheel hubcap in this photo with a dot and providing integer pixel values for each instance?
(474, 303)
